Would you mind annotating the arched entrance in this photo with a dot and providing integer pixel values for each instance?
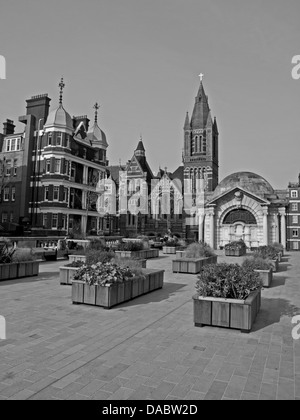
(239, 224)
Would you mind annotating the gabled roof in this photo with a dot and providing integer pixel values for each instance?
(214, 198)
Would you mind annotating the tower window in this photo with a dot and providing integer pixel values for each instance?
(204, 145)
(48, 166)
(54, 221)
(57, 166)
(49, 139)
(55, 193)
(58, 139)
(193, 147)
(46, 193)
(294, 194)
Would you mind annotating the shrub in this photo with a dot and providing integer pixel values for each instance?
(75, 264)
(235, 245)
(256, 263)
(131, 246)
(198, 250)
(96, 244)
(230, 281)
(6, 252)
(135, 265)
(94, 256)
(267, 252)
(277, 246)
(23, 254)
(102, 274)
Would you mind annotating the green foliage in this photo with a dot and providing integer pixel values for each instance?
(103, 274)
(96, 244)
(23, 254)
(6, 252)
(75, 264)
(94, 256)
(277, 246)
(235, 245)
(135, 265)
(199, 250)
(131, 246)
(230, 281)
(257, 263)
(267, 251)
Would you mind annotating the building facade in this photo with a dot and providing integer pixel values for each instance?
(50, 170)
(293, 217)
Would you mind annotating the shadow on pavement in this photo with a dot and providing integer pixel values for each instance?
(169, 290)
(272, 310)
(277, 281)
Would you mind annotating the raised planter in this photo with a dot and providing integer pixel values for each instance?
(18, 270)
(75, 258)
(169, 250)
(235, 252)
(275, 265)
(192, 265)
(112, 295)
(143, 254)
(66, 274)
(266, 276)
(180, 254)
(229, 313)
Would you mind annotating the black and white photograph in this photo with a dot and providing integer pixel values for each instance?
(149, 203)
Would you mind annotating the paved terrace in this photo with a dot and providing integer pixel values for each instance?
(147, 348)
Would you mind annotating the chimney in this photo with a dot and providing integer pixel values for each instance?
(78, 120)
(38, 106)
(8, 127)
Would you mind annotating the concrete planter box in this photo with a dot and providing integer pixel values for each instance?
(229, 313)
(66, 274)
(169, 250)
(112, 295)
(266, 276)
(235, 252)
(192, 265)
(143, 254)
(19, 270)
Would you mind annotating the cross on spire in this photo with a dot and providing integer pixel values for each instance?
(96, 107)
(61, 86)
(201, 75)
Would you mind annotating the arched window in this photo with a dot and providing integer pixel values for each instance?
(196, 144)
(193, 147)
(204, 145)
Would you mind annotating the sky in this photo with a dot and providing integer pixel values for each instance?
(140, 59)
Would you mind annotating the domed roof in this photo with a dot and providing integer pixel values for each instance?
(97, 137)
(59, 118)
(249, 181)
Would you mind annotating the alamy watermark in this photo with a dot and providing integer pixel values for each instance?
(2, 67)
(296, 69)
(296, 329)
(2, 328)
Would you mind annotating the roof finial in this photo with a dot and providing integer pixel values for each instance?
(96, 107)
(141, 137)
(201, 75)
(61, 86)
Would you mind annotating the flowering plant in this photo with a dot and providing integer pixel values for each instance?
(103, 274)
(198, 250)
(267, 251)
(230, 281)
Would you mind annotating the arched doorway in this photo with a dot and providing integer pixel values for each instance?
(239, 224)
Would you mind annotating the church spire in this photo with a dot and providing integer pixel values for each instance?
(187, 125)
(201, 108)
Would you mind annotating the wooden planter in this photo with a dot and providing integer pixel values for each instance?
(18, 270)
(143, 254)
(275, 265)
(192, 265)
(74, 258)
(169, 250)
(229, 313)
(180, 254)
(66, 274)
(266, 276)
(112, 295)
(235, 252)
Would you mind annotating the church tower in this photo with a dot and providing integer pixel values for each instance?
(200, 153)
